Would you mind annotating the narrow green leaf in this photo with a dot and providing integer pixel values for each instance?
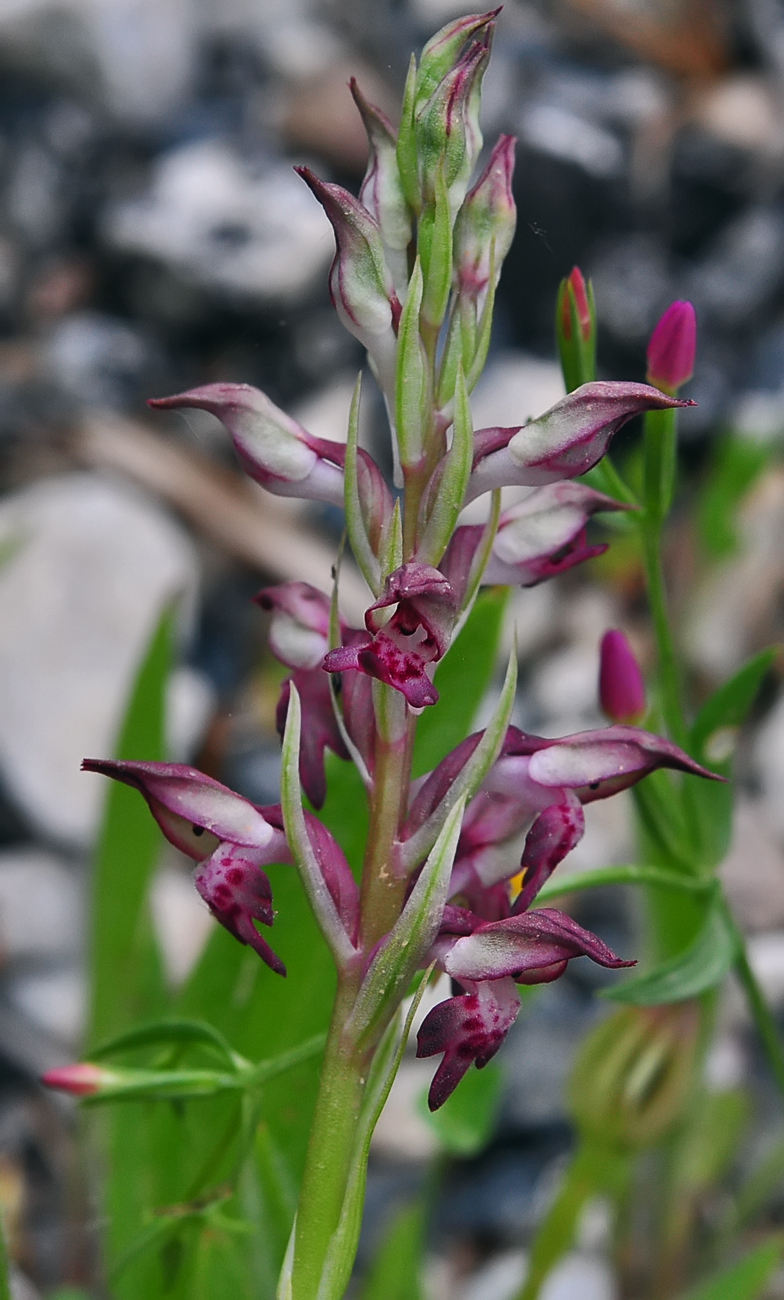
(451, 489)
(407, 944)
(736, 465)
(395, 1271)
(171, 1030)
(621, 875)
(465, 1122)
(412, 401)
(5, 1286)
(481, 341)
(472, 774)
(730, 704)
(435, 246)
(483, 551)
(701, 966)
(406, 143)
(297, 835)
(125, 974)
(355, 523)
(391, 555)
(745, 1280)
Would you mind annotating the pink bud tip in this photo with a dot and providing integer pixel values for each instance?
(576, 282)
(81, 1079)
(621, 686)
(672, 348)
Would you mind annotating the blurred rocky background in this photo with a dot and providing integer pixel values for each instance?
(153, 236)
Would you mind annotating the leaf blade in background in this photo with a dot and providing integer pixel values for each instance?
(125, 974)
(699, 967)
(744, 1280)
(395, 1271)
(712, 743)
(465, 1122)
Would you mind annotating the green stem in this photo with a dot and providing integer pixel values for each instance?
(382, 891)
(659, 462)
(761, 1013)
(556, 1234)
(669, 675)
(330, 1150)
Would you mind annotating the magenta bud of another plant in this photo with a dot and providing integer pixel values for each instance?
(672, 348)
(621, 685)
(82, 1079)
(273, 449)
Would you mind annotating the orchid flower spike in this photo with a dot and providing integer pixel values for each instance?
(273, 449)
(566, 441)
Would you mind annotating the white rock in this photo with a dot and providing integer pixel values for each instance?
(220, 225)
(55, 1001)
(514, 388)
(182, 922)
(580, 1275)
(40, 905)
(401, 1132)
(79, 601)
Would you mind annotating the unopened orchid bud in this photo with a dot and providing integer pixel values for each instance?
(446, 126)
(486, 224)
(443, 50)
(621, 685)
(382, 189)
(299, 628)
(83, 1079)
(228, 836)
(565, 442)
(545, 534)
(633, 1076)
(273, 449)
(360, 280)
(575, 327)
(672, 348)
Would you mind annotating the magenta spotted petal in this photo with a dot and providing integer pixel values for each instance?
(416, 636)
(237, 892)
(469, 1030)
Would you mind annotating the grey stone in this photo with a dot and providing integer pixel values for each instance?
(94, 567)
(256, 235)
(40, 906)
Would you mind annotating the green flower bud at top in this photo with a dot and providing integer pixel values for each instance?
(360, 280)
(486, 224)
(444, 49)
(446, 126)
(632, 1078)
(382, 189)
(575, 329)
